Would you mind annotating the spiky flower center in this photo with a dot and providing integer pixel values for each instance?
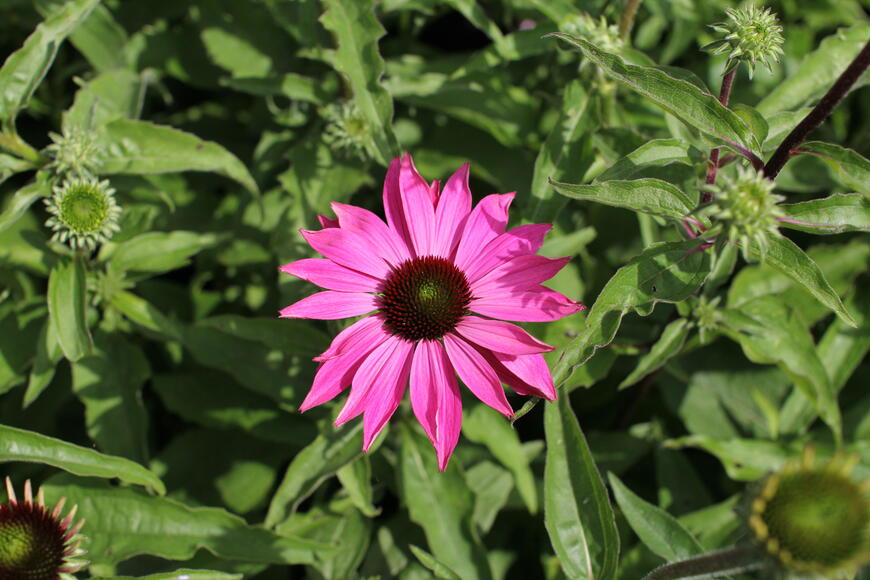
(424, 298)
(84, 208)
(818, 517)
(32, 543)
(83, 212)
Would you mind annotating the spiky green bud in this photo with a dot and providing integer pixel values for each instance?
(752, 35)
(597, 31)
(347, 130)
(83, 213)
(74, 154)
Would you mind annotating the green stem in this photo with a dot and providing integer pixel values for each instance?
(13, 144)
(719, 564)
(626, 19)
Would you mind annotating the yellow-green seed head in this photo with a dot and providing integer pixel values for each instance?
(83, 213)
(813, 519)
(752, 35)
(747, 209)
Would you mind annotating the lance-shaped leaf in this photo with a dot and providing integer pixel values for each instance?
(789, 259)
(157, 252)
(850, 168)
(442, 504)
(668, 345)
(830, 215)
(123, 522)
(25, 68)
(680, 98)
(650, 196)
(67, 307)
(577, 511)
(185, 573)
(21, 201)
(21, 445)
(665, 272)
(48, 354)
(656, 153)
(656, 528)
(140, 147)
(357, 32)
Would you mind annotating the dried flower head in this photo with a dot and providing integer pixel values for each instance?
(752, 35)
(35, 543)
(83, 213)
(747, 209)
(813, 519)
(347, 130)
(74, 154)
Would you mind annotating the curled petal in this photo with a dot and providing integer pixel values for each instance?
(477, 374)
(417, 207)
(519, 241)
(348, 249)
(351, 336)
(386, 392)
(453, 208)
(331, 305)
(360, 220)
(499, 336)
(519, 274)
(486, 221)
(538, 305)
(526, 374)
(327, 274)
(435, 398)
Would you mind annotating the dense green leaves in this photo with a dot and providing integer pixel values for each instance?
(21, 445)
(829, 215)
(577, 511)
(850, 168)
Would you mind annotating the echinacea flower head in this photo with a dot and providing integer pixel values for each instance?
(812, 518)
(35, 543)
(83, 213)
(752, 35)
(436, 282)
(74, 154)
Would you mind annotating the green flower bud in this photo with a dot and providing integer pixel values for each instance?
(752, 35)
(35, 543)
(347, 130)
(813, 519)
(76, 154)
(597, 31)
(747, 209)
(83, 213)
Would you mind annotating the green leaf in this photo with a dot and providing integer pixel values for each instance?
(123, 523)
(651, 196)
(566, 154)
(666, 347)
(21, 202)
(356, 479)
(770, 333)
(10, 165)
(850, 168)
(664, 272)
(25, 68)
(157, 252)
(99, 37)
(577, 511)
(656, 153)
(19, 330)
(290, 85)
(141, 147)
(357, 32)
(743, 459)
(492, 485)
(656, 528)
(144, 314)
(438, 568)
(21, 445)
(835, 214)
(817, 72)
(112, 95)
(311, 466)
(488, 427)
(785, 256)
(48, 354)
(185, 573)
(678, 97)
(108, 382)
(68, 308)
(442, 505)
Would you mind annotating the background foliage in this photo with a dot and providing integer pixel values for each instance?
(152, 384)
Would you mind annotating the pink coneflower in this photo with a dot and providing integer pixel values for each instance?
(433, 279)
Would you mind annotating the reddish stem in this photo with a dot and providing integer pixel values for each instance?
(713, 167)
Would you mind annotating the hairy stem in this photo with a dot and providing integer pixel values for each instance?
(626, 19)
(713, 565)
(13, 144)
(713, 167)
(819, 113)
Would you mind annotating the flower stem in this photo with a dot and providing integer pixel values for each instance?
(626, 19)
(819, 113)
(14, 145)
(713, 167)
(713, 565)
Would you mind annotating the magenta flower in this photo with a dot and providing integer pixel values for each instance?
(433, 278)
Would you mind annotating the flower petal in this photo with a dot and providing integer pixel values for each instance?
(453, 208)
(499, 336)
(349, 338)
(393, 203)
(327, 274)
(526, 374)
(386, 392)
(357, 219)
(327, 222)
(435, 398)
(336, 373)
(519, 241)
(477, 374)
(417, 207)
(518, 275)
(331, 305)
(538, 305)
(348, 249)
(376, 368)
(487, 220)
